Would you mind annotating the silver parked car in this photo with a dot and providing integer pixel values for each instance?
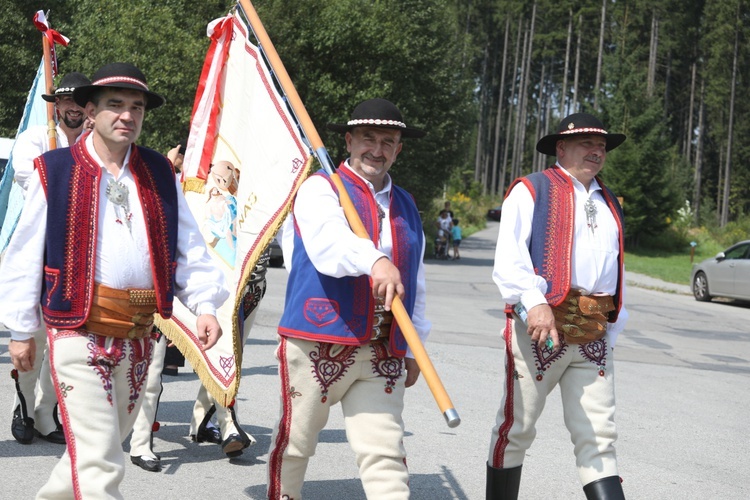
(725, 275)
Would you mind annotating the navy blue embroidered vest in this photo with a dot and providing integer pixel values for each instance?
(321, 308)
(70, 178)
(553, 227)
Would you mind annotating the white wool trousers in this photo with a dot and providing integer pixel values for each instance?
(585, 374)
(141, 441)
(369, 384)
(100, 382)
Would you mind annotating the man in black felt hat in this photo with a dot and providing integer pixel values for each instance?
(35, 140)
(338, 340)
(106, 240)
(559, 268)
(34, 407)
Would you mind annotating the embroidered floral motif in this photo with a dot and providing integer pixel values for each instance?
(328, 368)
(140, 359)
(293, 393)
(105, 360)
(64, 389)
(386, 366)
(251, 299)
(544, 357)
(596, 353)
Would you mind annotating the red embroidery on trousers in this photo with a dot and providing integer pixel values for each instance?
(328, 368)
(386, 366)
(285, 422)
(498, 454)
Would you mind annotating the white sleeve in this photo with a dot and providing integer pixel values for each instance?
(513, 272)
(29, 144)
(22, 268)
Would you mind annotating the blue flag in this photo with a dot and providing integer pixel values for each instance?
(11, 194)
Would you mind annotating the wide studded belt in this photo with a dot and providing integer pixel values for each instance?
(126, 314)
(583, 318)
(381, 324)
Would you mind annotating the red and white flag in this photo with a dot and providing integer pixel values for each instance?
(245, 160)
(53, 37)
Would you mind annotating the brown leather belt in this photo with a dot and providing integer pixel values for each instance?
(125, 314)
(381, 324)
(583, 318)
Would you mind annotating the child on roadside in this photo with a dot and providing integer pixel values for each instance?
(456, 234)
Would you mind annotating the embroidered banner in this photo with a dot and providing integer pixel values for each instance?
(245, 160)
(11, 194)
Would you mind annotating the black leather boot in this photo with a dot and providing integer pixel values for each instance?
(607, 488)
(22, 426)
(502, 484)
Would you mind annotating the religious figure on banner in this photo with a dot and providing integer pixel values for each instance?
(221, 212)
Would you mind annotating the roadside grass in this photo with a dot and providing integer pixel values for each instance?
(667, 266)
(671, 268)
(667, 255)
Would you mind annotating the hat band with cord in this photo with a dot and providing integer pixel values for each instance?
(375, 121)
(120, 79)
(584, 131)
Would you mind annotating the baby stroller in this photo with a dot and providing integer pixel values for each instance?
(441, 245)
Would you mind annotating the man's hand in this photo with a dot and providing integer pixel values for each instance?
(541, 323)
(386, 281)
(412, 371)
(176, 158)
(208, 330)
(22, 354)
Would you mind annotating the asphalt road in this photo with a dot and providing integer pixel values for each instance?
(682, 367)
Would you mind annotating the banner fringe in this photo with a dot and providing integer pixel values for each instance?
(195, 185)
(193, 356)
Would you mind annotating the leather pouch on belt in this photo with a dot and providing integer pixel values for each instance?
(122, 313)
(583, 318)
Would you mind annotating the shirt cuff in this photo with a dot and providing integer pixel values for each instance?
(20, 335)
(205, 308)
(368, 259)
(532, 298)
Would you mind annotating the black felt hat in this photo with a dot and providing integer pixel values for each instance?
(578, 124)
(378, 113)
(68, 84)
(118, 75)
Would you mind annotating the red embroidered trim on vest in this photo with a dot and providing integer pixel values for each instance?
(83, 215)
(156, 227)
(559, 236)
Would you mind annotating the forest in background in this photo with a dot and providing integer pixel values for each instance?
(485, 78)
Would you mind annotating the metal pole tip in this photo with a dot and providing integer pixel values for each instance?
(451, 417)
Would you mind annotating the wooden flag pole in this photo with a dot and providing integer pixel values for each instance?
(50, 88)
(399, 311)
